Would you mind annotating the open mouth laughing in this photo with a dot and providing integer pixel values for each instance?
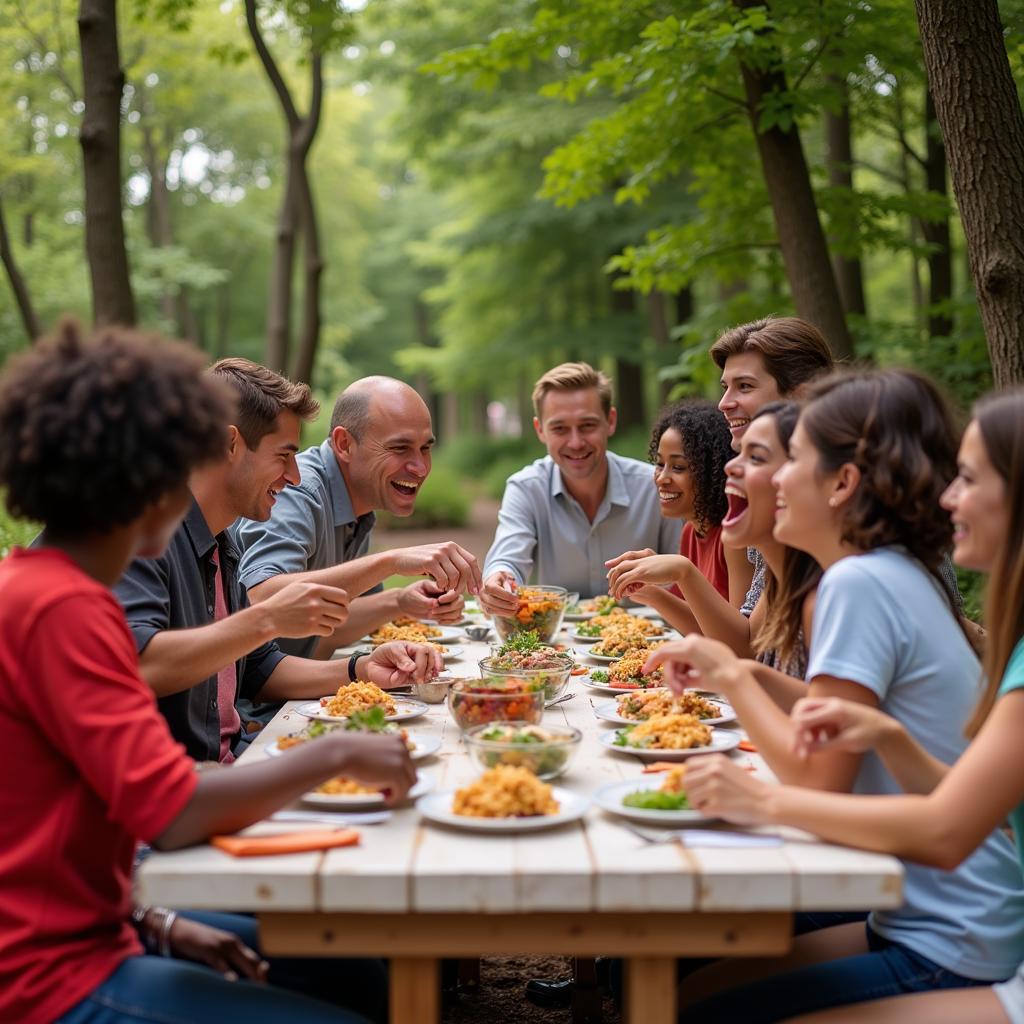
(738, 503)
(407, 488)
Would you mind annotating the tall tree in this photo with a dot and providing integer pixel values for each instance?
(21, 293)
(297, 215)
(103, 82)
(977, 105)
(936, 232)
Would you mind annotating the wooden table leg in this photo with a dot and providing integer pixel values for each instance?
(650, 990)
(415, 984)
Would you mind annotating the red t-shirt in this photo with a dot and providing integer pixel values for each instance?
(88, 768)
(706, 553)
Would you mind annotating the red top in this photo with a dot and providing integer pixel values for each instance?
(706, 553)
(88, 767)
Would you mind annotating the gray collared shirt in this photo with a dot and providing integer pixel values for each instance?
(543, 533)
(311, 527)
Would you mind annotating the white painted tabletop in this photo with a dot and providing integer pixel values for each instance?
(407, 865)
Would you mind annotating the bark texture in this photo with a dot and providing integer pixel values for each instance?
(936, 232)
(22, 297)
(839, 160)
(100, 138)
(801, 238)
(977, 106)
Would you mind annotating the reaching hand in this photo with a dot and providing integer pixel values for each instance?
(498, 594)
(630, 574)
(450, 566)
(830, 723)
(307, 609)
(221, 950)
(697, 662)
(426, 600)
(629, 556)
(378, 760)
(721, 789)
(400, 663)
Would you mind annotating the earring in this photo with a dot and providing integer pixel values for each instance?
(832, 502)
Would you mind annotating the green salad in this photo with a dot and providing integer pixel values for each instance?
(656, 800)
(599, 676)
(543, 752)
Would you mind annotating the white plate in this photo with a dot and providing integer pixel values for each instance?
(578, 616)
(451, 651)
(583, 638)
(609, 798)
(721, 741)
(667, 633)
(438, 807)
(405, 708)
(607, 710)
(426, 745)
(424, 784)
(449, 634)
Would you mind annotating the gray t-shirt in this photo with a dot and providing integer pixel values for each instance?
(881, 621)
(543, 533)
(312, 526)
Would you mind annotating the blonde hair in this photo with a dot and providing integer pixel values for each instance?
(573, 377)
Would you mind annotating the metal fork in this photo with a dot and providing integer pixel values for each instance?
(650, 836)
(560, 700)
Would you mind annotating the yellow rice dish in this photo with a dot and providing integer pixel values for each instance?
(506, 791)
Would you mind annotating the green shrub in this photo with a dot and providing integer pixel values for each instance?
(14, 531)
(442, 501)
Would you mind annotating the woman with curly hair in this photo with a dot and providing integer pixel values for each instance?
(690, 445)
(869, 460)
(97, 441)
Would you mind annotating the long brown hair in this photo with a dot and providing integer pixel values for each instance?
(784, 598)
(1000, 420)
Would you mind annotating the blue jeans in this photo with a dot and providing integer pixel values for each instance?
(887, 970)
(167, 991)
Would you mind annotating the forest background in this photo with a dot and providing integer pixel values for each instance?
(464, 193)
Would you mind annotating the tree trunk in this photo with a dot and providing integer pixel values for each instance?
(158, 212)
(914, 226)
(839, 160)
(936, 232)
(21, 293)
(313, 261)
(100, 138)
(297, 215)
(977, 106)
(629, 377)
(801, 239)
(664, 353)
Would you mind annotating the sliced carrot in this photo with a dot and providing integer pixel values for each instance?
(747, 746)
(658, 766)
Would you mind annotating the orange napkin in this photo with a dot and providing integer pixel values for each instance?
(292, 842)
(747, 746)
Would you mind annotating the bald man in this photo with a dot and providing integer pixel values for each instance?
(376, 457)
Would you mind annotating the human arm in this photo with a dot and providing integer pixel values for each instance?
(709, 664)
(510, 559)
(712, 615)
(941, 828)
(201, 943)
(450, 566)
(833, 724)
(392, 664)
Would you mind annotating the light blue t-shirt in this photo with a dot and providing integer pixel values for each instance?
(881, 621)
(1013, 679)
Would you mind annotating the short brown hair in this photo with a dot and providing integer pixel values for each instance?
(262, 396)
(573, 377)
(794, 351)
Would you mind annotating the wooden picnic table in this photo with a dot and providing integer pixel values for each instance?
(415, 892)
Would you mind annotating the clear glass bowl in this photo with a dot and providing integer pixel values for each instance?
(480, 702)
(540, 609)
(552, 680)
(545, 752)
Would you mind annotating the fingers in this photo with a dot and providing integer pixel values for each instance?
(628, 577)
(498, 594)
(627, 556)
(241, 961)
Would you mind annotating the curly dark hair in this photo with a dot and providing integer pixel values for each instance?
(706, 448)
(94, 429)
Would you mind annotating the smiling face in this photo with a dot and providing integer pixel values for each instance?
(386, 466)
(976, 502)
(747, 386)
(804, 517)
(749, 487)
(574, 429)
(257, 475)
(673, 478)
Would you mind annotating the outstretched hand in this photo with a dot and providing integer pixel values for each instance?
(399, 663)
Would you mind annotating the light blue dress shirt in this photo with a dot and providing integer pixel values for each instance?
(544, 536)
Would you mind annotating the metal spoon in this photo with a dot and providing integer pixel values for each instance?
(560, 700)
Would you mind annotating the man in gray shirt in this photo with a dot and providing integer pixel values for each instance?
(565, 515)
(377, 456)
